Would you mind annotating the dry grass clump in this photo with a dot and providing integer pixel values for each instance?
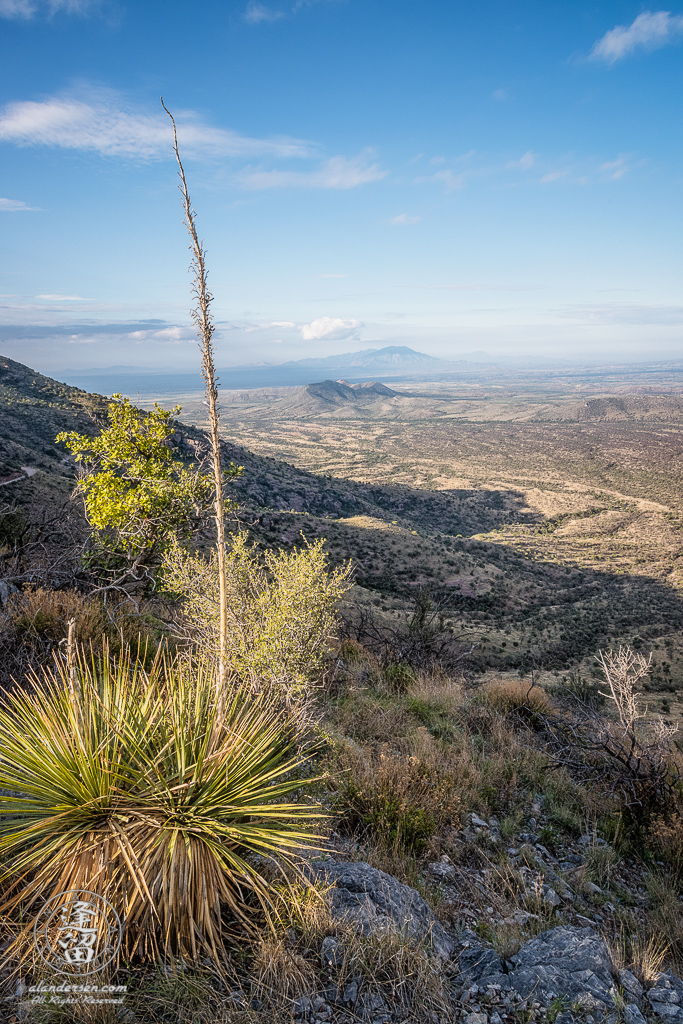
(437, 686)
(365, 716)
(402, 972)
(35, 623)
(280, 971)
(510, 696)
(398, 798)
(643, 955)
(665, 838)
(666, 910)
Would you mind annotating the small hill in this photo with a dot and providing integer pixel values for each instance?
(339, 392)
(371, 387)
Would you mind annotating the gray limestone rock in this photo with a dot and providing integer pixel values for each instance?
(565, 961)
(478, 963)
(332, 951)
(374, 901)
(630, 984)
(441, 872)
(632, 1015)
(666, 998)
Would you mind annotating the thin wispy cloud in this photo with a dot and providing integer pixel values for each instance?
(525, 163)
(168, 335)
(452, 182)
(256, 13)
(23, 10)
(105, 125)
(625, 313)
(614, 169)
(554, 176)
(14, 206)
(56, 297)
(339, 172)
(536, 169)
(403, 218)
(649, 31)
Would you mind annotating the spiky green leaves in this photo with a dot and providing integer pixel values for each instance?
(139, 789)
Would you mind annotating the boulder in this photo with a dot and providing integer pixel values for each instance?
(666, 997)
(568, 962)
(478, 963)
(373, 902)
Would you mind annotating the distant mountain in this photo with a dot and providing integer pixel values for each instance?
(392, 357)
(393, 362)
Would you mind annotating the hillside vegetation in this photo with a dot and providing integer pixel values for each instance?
(543, 516)
(454, 729)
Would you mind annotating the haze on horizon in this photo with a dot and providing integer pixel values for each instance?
(450, 177)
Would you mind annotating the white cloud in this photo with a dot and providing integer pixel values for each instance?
(174, 335)
(257, 12)
(49, 297)
(330, 328)
(524, 163)
(649, 31)
(554, 176)
(338, 172)
(403, 218)
(15, 205)
(499, 94)
(106, 127)
(24, 9)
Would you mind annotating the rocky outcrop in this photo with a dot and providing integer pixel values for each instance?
(374, 901)
(572, 963)
(666, 997)
(568, 965)
(563, 963)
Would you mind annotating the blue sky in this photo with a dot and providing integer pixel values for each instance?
(502, 176)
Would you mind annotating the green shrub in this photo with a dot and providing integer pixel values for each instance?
(281, 607)
(399, 677)
(135, 786)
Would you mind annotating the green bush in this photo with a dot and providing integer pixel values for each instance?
(281, 607)
(399, 677)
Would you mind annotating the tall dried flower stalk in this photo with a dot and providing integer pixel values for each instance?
(201, 314)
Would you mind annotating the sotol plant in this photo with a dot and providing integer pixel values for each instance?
(137, 785)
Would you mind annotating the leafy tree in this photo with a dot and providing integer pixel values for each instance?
(138, 497)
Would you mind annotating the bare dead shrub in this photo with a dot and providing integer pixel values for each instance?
(631, 757)
(422, 641)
